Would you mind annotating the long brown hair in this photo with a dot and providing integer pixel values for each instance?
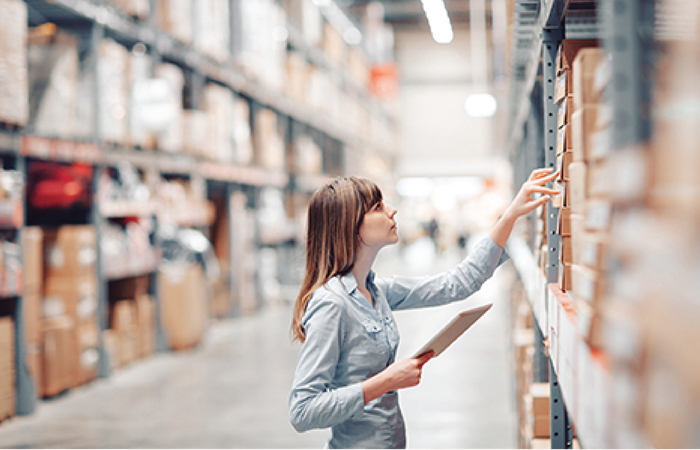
(336, 211)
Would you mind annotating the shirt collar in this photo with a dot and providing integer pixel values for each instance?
(350, 283)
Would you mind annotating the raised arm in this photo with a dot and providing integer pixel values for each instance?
(524, 204)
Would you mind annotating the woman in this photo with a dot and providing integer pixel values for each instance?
(347, 376)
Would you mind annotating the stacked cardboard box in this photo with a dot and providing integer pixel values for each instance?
(659, 274)
(8, 395)
(33, 262)
(132, 332)
(70, 302)
(564, 96)
(13, 62)
(183, 305)
(171, 136)
(269, 141)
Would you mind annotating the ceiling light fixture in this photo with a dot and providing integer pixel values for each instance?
(439, 21)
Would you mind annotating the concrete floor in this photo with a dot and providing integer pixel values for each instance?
(231, 392)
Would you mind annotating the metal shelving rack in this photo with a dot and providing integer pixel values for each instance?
(625, 28)
(91, 20)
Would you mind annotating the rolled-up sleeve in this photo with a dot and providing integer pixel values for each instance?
(313, 402)
(456, 284)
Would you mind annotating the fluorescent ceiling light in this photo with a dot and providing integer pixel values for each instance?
(481, 105)
(439, 21)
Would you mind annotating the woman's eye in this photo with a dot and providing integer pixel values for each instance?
(378, 207)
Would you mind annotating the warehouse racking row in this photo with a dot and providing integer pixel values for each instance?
(104, 208)
(602, 91)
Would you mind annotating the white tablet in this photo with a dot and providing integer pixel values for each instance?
(452, 331)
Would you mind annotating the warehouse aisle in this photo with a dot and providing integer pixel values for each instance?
(232, 391)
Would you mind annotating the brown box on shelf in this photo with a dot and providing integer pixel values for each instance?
(564, 226)
(541, 426)
(540, 398)
(585, 66)
(565, 142)
(31, 305)
(563, 161)
(33, 262)
(129, 288)
(578, 228)
(561, 200)
(594, 247)
(145, 317)
(583, 127)
(70, 251)
(601, 178)
(578, 179)
(7, 344)
(566, 108)
(562, 88)
(126, 329)
(589, 323)
(87, 337)
(74, 297)
(589, 284)
(565, 277)
(568, 50)
(60, 356)
(566, 251)
(182, 304)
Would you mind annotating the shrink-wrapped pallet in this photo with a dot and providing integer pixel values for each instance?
(212, 34)
(176, 19)
(170, 137)
(53, 81)
(13, 62)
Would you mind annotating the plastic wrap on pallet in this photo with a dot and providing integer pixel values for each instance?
(140, 134)
(53, 82)
(112, 65)
(262, 52)
(13, 62)
(212, 33)
(171, 137)
(176, 18)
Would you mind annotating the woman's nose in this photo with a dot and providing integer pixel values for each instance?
(392, 212)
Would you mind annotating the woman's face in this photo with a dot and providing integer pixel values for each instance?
(379, 227)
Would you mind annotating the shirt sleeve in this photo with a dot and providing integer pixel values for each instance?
(456, 284)
(313, 403)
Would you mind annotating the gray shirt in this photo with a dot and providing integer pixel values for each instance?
(348, 341)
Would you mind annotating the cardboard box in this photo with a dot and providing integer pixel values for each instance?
(540, 398)
(182, 304)
(70, 251)
(565, 277)
(589, 284)
(563, 161)
(565, 141)
(33, 259)
(541, 426)
(129, 288)
(585, 66)
(145, 317)
(562, 88)
(566, 108)
(578, 179)
(583, 126)
(74, 297)
(31, 310)
(60, 356)
(567, 51)
(564, 226)
(578, 228)
(594, 248)
(598, 214)
(126, 329)
(566, 251)
(7, 344)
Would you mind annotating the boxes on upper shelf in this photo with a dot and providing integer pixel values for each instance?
(70, 251)
(135, 8)
(585, 66)
(175, 17)
(564, 61)
(14, 90)
(54, 52)
(170, 136)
